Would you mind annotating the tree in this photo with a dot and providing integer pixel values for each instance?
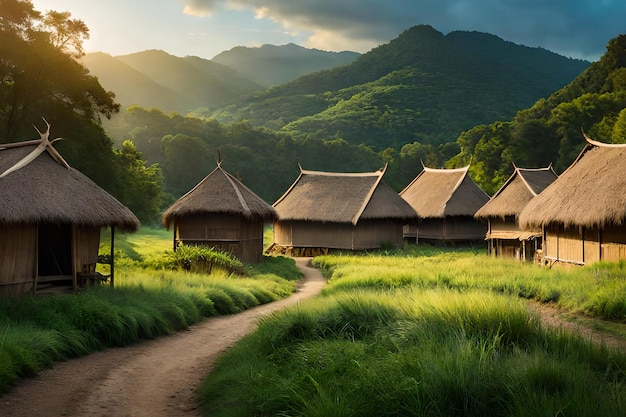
(186, 160)
(64, 33)
(39, 75)
(143, 185)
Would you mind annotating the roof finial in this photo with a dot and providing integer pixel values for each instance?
(219, 158)
(44, 145)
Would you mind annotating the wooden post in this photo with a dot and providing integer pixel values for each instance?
(112, 256)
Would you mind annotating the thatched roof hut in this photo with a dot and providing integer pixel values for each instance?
(518, 190)
(583, 212)
(501, 212)
(46, 192)
(331, 210)
(223, 213)
(445, 201)
(50, 217)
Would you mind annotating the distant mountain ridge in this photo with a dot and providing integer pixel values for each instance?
(272, 65)
(422, 86)
(146, 78)
(157, 79)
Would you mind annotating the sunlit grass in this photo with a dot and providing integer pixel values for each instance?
(598, 290)
(148, 241)
(414, 352)
(429, 332)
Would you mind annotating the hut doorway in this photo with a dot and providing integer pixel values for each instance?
(54, 250)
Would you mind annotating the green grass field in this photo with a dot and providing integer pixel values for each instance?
(428, 332)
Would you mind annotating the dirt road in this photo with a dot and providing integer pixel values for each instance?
(155, 378)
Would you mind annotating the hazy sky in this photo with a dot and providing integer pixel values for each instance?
(573, 28)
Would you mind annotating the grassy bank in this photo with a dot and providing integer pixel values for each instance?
(153, 296)
(440, 334)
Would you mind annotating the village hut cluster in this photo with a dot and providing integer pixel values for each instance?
(51, 215)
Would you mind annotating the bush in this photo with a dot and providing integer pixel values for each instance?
(194, 259)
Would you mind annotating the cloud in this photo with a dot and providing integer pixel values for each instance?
(200, 8)
(578, 28)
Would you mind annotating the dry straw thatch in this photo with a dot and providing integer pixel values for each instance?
(591, 192)
(220, 192)
(518, 190)
(47, 191)
(332, 197)
(439, 193)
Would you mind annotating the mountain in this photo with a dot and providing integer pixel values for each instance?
(132, 87)
(147, 78)
(157, 79)
(272, 65)
(422, 87)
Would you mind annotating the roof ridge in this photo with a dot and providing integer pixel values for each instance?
(367, 199)
(602, 144)
(242, 200)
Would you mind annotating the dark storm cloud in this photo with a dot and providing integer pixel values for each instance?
(578, 28)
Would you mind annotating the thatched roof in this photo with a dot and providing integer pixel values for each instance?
(47, 190)
(591, 192)
(341, 198)
(438, 193)
(219, 192)
(521, 187)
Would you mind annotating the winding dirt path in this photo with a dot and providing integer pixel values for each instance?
(154, 378)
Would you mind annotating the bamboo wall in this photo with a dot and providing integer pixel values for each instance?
(371, 234)
(584, 245)
(365, 235)
(461, 228)
(230, 233)
(18, 259)
(19, 256)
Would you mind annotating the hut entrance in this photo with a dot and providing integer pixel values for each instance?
(54, 251)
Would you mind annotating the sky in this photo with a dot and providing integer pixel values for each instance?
(572, 28)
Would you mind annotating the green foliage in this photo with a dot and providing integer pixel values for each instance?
(186, 161)
(143, 185)
(279, 265)
(39, 73)
(194, 259)
(413, 352)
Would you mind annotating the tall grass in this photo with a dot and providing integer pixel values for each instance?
(598, 290)
(434, 333)
(36, 332)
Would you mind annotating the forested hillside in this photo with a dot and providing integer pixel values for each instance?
(274, 65)
(550, 130)
(191, 84)
(422, 86)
